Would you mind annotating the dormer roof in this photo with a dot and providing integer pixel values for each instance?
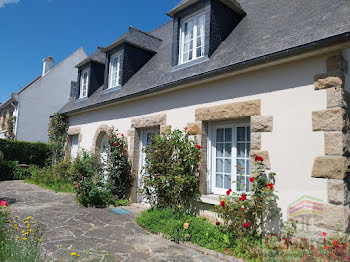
(97, 56)
(137, 38)
(183, 4)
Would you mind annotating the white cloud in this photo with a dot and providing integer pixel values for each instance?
(5, 2)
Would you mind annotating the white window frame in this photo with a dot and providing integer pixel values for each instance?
(83, 92)
(193, 17)
(110, 75)
(211, 163)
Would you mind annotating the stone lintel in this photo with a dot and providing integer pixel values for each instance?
(229, 111)
(148, 121)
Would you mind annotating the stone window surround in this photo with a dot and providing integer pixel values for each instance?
(72, 131)
(99, 134)
(231, 111)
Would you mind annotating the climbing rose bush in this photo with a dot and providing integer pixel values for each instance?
(171, 172)
(245, 214)
(118, 165)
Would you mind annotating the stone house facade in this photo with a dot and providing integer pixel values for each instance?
(251, 85)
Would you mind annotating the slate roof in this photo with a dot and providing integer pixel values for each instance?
(137, 38)
(97, 56)
(270, 29)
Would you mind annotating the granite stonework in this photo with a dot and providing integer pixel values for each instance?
(148, 121)
(106, 236)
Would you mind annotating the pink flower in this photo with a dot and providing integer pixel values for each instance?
(186, 128)
(3, 203)
(76, 186)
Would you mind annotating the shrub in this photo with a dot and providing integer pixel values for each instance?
(8, 170)
(118, 166)
(244, 215)
(56, 177)
(172, 163)
(91, 187)
(25, 152)
(122, 202)
(58, 127)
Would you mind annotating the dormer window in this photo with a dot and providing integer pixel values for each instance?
(115, 70)
(192, 38)
(84, 83)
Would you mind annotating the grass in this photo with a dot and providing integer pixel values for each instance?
(57, 187)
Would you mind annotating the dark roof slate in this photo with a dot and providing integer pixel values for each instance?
(270, 27)
(137, 38)
(97, 56)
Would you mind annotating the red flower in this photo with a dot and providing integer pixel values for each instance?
(225, 249)
(198, 146)
(258, 158)
(116, 143)
(222, 203)
(246, 225)
(243, 197)
(335, 243)
(186, 128)
(76, 186)
(228, 192)
(110, 137)
(324, 234)
(218, 223)
(122, 135)
(3, 203)
(242, 208)
(270, 185)
(251, 179)
(327, 247)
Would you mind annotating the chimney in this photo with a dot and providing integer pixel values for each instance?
(48, 64)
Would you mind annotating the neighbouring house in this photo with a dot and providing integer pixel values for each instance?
(8, 115)
(33, 105)
(248, 78)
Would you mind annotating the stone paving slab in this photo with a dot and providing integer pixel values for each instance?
(109, 237)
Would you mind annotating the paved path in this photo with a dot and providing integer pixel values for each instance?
(107, 236)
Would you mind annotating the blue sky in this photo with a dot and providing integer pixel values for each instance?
(33, 29)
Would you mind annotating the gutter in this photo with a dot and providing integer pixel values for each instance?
(248, 63)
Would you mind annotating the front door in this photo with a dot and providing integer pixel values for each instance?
(230, 158)
(145, 139)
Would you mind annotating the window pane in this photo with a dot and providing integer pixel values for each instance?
(227, 166)
(228, 149)
(240, 133)
(240, 166)
(219, 149)
(228, 134)
(248, 133)
(240, 183)
(220, 135)
(241, 150)
(227, 181)
(247, 182)
(219, 180)
(219, 165)
(199, 51)
(248, 167)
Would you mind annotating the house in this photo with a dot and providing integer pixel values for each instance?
(46, 94)
(8, 115)
(248, 78)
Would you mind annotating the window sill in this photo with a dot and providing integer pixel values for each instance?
(111, 89)
(191, 63)
(211, 199)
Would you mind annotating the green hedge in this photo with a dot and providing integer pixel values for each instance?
(25, 152)
(8, 170)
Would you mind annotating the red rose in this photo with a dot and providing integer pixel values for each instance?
(324, 234)
(258, 158)
(327, 247)
(218, 223)
(243, 197)
(198, 146)
(242, 208)
(270, 185)
(225, 249)
(222, 203)
(186, 128)
(246, 225)
(335, 243)
(228, 192)
(116, 144)
(122, 135)
(251, 179)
